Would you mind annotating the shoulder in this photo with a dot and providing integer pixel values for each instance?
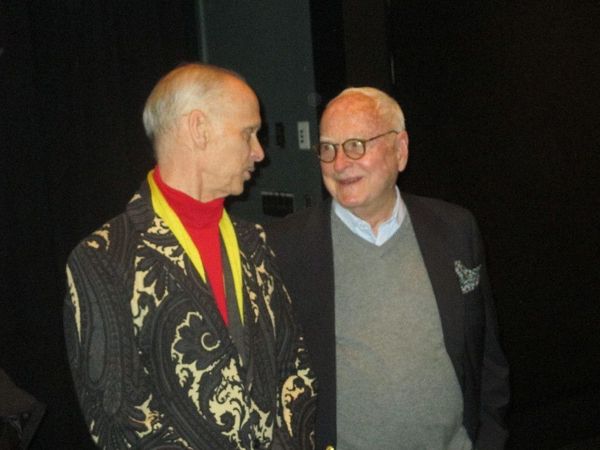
(122, 230)
(437, 211)
(101, 239)
(304, 235)
(111, 242)
(301, 222)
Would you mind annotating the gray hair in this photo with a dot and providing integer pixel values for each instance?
(386, 106)
(187, 87)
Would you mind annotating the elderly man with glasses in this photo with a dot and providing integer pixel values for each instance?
(393, 295)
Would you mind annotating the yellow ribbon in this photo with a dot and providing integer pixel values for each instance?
(166, 213)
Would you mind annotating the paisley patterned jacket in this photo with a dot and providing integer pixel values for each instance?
(153, 363)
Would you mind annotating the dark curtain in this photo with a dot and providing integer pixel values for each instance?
(503, 110)
(74, 77)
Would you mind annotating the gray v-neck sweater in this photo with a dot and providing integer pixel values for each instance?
(396, 386)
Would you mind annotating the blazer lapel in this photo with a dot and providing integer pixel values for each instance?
(439, 265)
(319, 314)
(161, 239)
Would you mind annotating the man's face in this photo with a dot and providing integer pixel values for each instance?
(365, 186)
(234, 147)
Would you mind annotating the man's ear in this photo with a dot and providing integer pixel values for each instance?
(401, 143)
(198, 128)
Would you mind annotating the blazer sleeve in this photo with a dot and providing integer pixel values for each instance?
(116, 399)
(96, 356)
(495, 392)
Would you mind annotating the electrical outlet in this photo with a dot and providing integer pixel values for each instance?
(304, 135)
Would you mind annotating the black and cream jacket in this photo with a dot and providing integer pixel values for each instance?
(153, 362)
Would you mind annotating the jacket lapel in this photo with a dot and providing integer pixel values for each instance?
(440, 268)
(156, 234)
(318, 313)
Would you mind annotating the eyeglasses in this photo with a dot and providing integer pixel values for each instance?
(353, 148)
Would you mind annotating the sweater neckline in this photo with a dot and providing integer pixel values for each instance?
(193, 213)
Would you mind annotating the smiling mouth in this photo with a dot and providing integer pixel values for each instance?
(349, 181)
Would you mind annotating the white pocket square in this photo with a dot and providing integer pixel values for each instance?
(468, 278)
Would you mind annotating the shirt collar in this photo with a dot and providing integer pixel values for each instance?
(362, 229)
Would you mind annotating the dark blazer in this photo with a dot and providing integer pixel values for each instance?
(153, 362)
(451, 247)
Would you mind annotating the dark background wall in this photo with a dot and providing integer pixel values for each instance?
(74, 77)
(502, 108)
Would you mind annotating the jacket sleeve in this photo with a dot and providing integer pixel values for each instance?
(103, 357)
(495, 392)
(95, 357)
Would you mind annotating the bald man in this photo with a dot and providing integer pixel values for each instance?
(179, 331)
(393, 295)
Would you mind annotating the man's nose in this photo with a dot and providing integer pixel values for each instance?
(341, 161)
(257, 152)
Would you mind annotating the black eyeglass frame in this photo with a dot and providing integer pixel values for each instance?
(363, 142)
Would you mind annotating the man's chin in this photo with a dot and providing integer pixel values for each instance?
(238, 189)
(349, 203)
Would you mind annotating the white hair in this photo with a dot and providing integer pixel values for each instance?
(188, 87)
(386, 106)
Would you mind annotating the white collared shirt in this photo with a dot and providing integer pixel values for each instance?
(362, 229)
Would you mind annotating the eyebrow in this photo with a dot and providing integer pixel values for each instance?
(327, 140)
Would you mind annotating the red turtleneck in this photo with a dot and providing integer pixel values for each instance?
(201, 221)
